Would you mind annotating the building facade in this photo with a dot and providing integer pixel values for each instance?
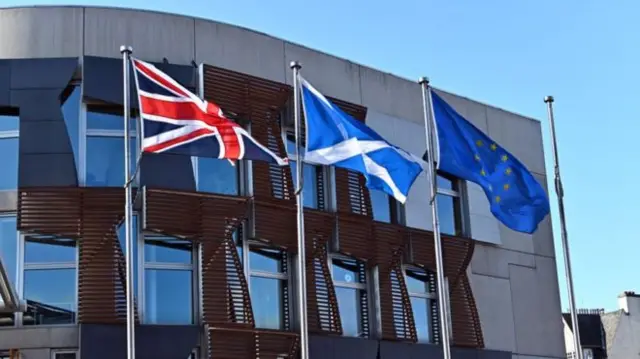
(216, 244)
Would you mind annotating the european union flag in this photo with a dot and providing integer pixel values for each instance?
(516, 197)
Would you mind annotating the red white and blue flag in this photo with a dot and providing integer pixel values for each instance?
(174, 120)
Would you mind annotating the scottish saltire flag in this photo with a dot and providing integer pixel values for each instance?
(335, 138)
(174, 120)
(516, 197)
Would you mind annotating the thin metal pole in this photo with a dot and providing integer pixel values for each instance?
(431, 172)
(302, 276)
(131, 345)
(563, 230)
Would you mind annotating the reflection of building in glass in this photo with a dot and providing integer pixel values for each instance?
(215, 244)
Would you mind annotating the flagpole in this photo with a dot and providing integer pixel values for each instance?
(131, 352)
(431, 172)
(302, 280)
(563, 230)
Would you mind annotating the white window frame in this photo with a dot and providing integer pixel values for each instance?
(359, 287)
(247, 245)
(55, 352)
(194, 267)
(423, 295)
(23, 267)
(460, 211)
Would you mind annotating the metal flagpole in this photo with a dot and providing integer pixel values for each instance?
(563, 230)
(431, 172)
(302, 280)
(131, 351)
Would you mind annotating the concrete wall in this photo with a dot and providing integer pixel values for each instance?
(513, 275)
(38, 343)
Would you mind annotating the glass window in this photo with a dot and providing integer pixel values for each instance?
(380, 205)
(168, 280)
(9, 123)
(105, 161)
(49, 280)
(421, 288)
(349, 279)
(449, 208)
(9, 160)
(111, 119)
(268, 286)
(310, 175)
(71, 114)
(123, 246)
(217, 176)
(9, 256)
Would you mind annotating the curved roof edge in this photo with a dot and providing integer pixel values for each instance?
(268, 35)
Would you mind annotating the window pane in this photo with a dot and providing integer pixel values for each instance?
(217, 176)
(267, 302)
(420, 308)
(9, 123)
(107, 121)
(291, 146)
(345, 270)
(381, 206)
(168, 297)
(447, 214)
(9, 246)
(123, 246)
(417, 282)
(49, 250)
(349, 307)
(9, 160)
(71, 114)
(105, 161)
(445, 183)
(266, 260)
(50, 296)
(310, 185)
(167, 250)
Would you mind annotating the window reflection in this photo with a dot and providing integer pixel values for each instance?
(9, 160)
(49, 250)
(381, 206)
(447, 212)
(167, 250)
(420, 307)
(71, 115)
(98, 120)
(9, 256)
(105, 161)
(349, 307)
(50, 296)
(266, 260)
(168, 296)
(9, 123)
(346, 270)
(310, 176)
(217, 176)
(267, 295)
(421, 287)
(123, 247)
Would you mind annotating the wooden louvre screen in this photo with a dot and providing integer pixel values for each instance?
(90, 216)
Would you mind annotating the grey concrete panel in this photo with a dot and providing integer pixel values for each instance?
(47, 169)
(42, 73)
(41, 32)
(35, 353)
(8, 201)
(44, 137)
(332, 76)
(495, 261)
(153, 36)
(167, 171)
(536, 304)
(5, 82)
(493, 299)
(392, 95)
(521, 136)
(241, 50)
(34, 337)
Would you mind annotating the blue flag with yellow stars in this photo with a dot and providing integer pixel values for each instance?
(516, 197)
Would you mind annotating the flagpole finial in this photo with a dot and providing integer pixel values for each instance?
(423, 80)
(127, 49)
(548, 99)
(295, 65)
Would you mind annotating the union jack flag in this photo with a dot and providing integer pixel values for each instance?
(174, 120)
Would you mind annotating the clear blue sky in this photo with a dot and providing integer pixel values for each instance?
(509, 54)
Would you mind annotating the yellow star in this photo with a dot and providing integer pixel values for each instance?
(477, 157)
(482, 172)
(493, 147)
(506, 186)
(498, 199)
(479, 143)
(504, 158)
(508, 171)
